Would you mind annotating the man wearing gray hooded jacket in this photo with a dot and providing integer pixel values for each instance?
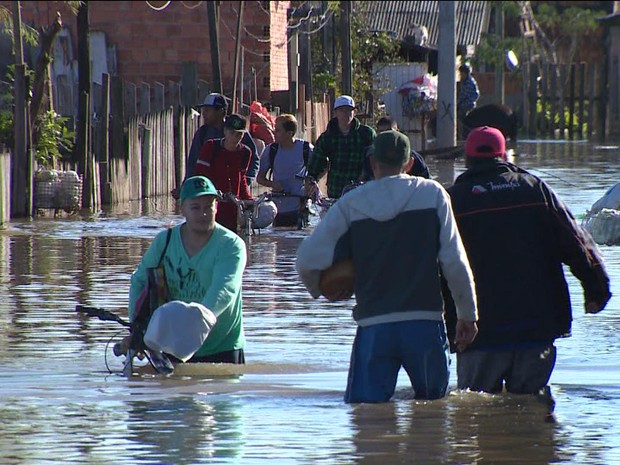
(398, 230)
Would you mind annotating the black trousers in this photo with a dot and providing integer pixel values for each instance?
(230, 356)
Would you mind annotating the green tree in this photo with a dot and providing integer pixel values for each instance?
(45, 133)
(566, 28)
(367, 49)
(557, 32)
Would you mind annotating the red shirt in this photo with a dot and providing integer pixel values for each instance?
(226, 169)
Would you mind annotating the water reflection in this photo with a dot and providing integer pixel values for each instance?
(185, 430)
(463, 428)
(58, 405)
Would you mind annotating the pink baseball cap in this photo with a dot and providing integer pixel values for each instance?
(485, 142)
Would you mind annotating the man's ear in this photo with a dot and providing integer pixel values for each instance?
(407, 167)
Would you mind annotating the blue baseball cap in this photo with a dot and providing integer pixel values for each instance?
(214, 100)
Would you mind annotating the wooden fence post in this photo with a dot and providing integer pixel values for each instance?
(130, 101)
(5, 187)
(553, 71)
(180, 121)
(598, 110)
(83, 152)
(189, 91)
(158, 97)
(104, 164)
(533, 98)
(571, 101)
(543, 123)
(145, 98)
(147, 160)
(173, 94)
(562, 110)
(582, 91)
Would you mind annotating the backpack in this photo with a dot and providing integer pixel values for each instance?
(273, 150)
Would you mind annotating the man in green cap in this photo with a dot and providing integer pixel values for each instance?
(399, 231)
(203, 263)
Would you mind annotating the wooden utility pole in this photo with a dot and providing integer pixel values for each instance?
(293, 60)
(345, 39)
(499, 68)
(308, 61)
(446, 110)
(82, 145)
(235, 105)
(305, 67)
(326, 40)
(21, 172)
(214, 41)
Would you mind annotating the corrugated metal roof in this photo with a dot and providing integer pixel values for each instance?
(403, 18)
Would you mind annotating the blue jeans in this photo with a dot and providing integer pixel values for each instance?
(379, 351)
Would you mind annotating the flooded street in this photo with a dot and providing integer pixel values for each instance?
(59, 403)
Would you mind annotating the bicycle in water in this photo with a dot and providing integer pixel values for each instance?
(255, 214)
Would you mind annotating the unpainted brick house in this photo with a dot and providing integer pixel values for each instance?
(149, 41)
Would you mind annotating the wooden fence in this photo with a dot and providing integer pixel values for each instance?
(564, 101)
(5, 187)
(142, 135)
(140, 138)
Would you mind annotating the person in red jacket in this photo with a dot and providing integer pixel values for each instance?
(225, 161)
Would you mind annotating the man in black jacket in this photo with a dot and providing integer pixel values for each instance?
(517, 235)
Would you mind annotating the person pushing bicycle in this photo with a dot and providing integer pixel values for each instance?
(283, 168)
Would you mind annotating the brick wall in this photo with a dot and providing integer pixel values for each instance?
(279, 50)
(152, 45)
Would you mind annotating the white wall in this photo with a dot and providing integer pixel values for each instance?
(390, 78)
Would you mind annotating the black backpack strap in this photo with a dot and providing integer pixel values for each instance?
(163, 252)
(273, 150)
(306, 152)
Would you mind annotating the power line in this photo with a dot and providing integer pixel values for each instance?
(160, 8)
(191, 7)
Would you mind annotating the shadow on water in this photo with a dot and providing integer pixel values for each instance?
(58, 404)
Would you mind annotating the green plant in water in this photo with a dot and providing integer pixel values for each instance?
(544, 116)
(55, 139)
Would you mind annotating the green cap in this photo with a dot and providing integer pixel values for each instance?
(392, 148)
(197, 186)
(235, 122)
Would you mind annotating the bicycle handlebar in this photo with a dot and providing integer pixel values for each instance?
(102, 314)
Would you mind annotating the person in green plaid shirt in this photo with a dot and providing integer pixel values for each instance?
(341, 149)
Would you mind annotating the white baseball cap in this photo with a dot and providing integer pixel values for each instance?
(344, 101)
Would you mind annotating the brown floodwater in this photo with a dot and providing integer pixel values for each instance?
(62, 399)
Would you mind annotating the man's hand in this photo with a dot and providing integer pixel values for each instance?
(465, 334)
(122, 347)
(310, 188)
(277, 187)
